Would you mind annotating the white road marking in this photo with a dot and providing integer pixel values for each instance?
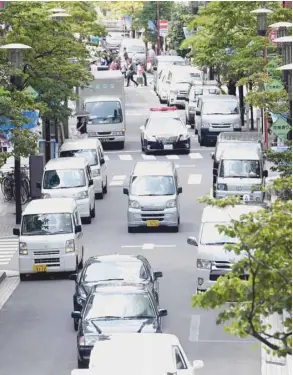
(194, 179)
(195, 156)
(172, 157)
(116, 183)
(148, 246)
(119, 177)
(194, 328)
(185, 166)
(125, 157)
(139, 151)
(131, 246)
(165, 246)
(106, 157)
(148, 157)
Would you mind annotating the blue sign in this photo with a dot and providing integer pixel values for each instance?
(95, 40)
(32, 116)
(152, 26)
(128, 21)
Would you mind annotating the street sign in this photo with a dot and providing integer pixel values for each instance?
(163, 28)
(275, 86)
(163, 32)
(281, 128)
(31, 92)
(273, 34)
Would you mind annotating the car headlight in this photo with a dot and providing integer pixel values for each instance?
(184, 137)
(96, 172)
(134, 204)
(173, 92)
(171, 203)
(222, 187)
(81, 195)
(45, 196)
(88, 340)
(204, 263)
(204, 125)
(23, 248)
(118, 133)
(69, 246)
(236, 126)
(151, 138)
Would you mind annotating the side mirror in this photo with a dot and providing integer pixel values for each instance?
(142, 128)
(73, 276)
(76, 315)
(158, 274)
(102, 161)
(179, 190)
(265, 174)
(77, 228)
(198, 113)
(91, 182)
(38, 185)
(125, 191)
(192, 241)
(163, 312)
(213, 155)
(197, 365)
(16, 232)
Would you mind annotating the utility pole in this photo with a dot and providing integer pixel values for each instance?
(158, 30)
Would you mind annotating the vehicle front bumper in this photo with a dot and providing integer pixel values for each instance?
(177, 101)
(107, 138)
(212, 134)
(167, 217)
(54, 263)
(83, 206)
(256, 196)
(170, 146)
(84, 353)
(206, 278)
(98, 184)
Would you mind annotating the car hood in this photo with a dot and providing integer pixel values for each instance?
(218, 253)
(152, 203)
(88, 286)
(121, 326)
(54, 242)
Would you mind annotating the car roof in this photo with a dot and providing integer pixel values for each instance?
(66, 163)
(169, 58)
(223, 98)
(238, 136)
(108, 74)
(241, 153)
(50, 205)
(164, 114)
(85, 144)
(226, 214)
(154, 168)
(116, 258)
(204, 87)
(153, 353)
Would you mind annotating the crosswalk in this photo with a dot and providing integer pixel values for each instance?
(140, 156)
(8, 248)
(122, 180)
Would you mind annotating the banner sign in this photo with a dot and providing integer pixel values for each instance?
(32, 117)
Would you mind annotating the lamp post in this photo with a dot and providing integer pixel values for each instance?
(15, 56)
(262, 15)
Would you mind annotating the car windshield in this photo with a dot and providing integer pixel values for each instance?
(46, 224)
(128, 271)
(210, 235)
(119, 305)
(104, 112)
(152, 186)
(64, 179)
(136, 49)
(240, 169)
(220, 108)
(204, 91)
(90, 155)
(165, 126)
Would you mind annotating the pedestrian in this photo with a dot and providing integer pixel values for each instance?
(141, 69)
(231, 87)
(124, 68)
(81, 125)
(115, 64)
(131, 71)
(125, 54)
(140, 72)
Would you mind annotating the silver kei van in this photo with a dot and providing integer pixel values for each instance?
(153, 196)
(241, 172)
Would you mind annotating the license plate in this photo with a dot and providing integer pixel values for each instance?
(168, 147)
(40, 268)
(152, 223)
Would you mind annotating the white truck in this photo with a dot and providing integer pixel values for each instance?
(104, 100)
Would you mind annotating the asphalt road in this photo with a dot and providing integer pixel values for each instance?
(36, 329)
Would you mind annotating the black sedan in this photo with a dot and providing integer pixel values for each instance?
(165, 132)
(111, 268)
(115, 308)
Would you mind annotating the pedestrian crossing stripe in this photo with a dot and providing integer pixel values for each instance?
(121, 180)
(129, 157)
(8, 247)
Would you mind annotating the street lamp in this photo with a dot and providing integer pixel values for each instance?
(15, 56)
(57, 10)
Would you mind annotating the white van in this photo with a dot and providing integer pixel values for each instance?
(213, 260)
(70, 178)
(92, 150)
(50, 237)
(135, 49)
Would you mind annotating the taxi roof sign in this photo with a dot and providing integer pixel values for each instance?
(163, 109)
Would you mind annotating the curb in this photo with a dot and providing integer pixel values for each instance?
(2, 276)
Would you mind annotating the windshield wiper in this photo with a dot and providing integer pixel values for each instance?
(96, 327)
(99, 281)
(108, 317)
(144, 324)
(139, 317)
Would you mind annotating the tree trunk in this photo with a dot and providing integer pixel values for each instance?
(251, 110)
(241, 102)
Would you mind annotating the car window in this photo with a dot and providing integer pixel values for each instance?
(180, 363)
(63, 178)
(90, 155)
(46, 224)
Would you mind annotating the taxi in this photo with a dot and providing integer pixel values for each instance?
(164, 131)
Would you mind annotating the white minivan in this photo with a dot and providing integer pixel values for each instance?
(70, 178)
(92, 150)
(50, 237)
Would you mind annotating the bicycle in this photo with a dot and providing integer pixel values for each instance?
(8, 186)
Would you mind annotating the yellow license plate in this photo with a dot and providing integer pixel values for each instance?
(40, 268)
(152, 223)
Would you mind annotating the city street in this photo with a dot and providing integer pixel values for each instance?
(37, 335)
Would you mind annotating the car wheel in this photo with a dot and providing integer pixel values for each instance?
(99, 196)
(87, 220)
(105, 188)
(142, 146)
(202, 142)
(175, 229)
(93, 211)
(80, 265)
(161, 101)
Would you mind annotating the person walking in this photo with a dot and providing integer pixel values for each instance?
(231, 86)
(81, 126)
(141, 71)
(131, 71)
(125, 54)
(124, 68)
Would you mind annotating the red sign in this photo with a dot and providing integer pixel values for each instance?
(273, 35)
(163, 24)
(287, 4)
